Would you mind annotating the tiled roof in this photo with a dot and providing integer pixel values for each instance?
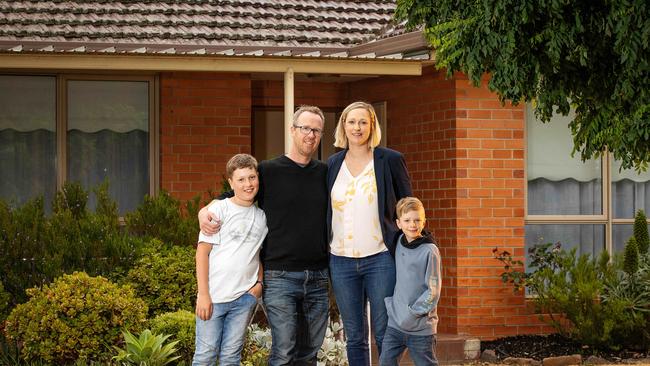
(227, 27)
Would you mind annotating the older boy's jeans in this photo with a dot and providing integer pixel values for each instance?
(223, 334)
(354, 281)
(297, 305)
(420, 348)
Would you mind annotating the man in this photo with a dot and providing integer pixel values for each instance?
(293, 195)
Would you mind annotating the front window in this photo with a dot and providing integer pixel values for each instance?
(102, 133)
(107, 138)
(27, 138)
(585, 205)
(575, 186)
(630, 193)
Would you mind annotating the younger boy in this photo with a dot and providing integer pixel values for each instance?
(228, 270)
(412, 310)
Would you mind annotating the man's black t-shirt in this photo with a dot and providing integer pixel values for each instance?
(294, 199)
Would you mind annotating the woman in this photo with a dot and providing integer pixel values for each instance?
(365, 182)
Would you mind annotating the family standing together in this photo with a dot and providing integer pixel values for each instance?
(351, 223)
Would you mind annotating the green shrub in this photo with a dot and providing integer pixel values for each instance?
(37, 249)
(21, 241)
(75, 318)
(182, 326)
(627, 298)
(9, 352)
(595, 302)
(566, 288)
(162, 217)
(641, 232)
(71, 198)
(91, 244)
(165, 278)
(4, 303)
(146, 350)
(255, 356)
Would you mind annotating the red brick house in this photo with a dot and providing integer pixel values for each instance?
(159, 94)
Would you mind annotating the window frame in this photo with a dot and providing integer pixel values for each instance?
(62, 122)
(606, 218)
(61, 94)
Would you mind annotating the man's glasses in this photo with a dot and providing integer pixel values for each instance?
(306, 130)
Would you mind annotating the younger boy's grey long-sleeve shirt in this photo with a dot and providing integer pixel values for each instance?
(413, 308)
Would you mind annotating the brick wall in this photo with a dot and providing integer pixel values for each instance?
(270, 93)
(205, 118)
(490, 211)
(465, 154)
(420, 124)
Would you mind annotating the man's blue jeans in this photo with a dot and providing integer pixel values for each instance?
(356, 281)
(297, 305)
(222, 336)
(420, 348)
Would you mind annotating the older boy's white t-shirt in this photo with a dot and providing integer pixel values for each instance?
(234, 258)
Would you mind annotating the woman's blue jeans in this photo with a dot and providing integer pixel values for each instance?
(357, 281)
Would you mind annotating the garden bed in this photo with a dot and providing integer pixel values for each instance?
(539, 347)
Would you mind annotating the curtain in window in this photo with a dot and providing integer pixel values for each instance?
(630, 196)
(567, 197)
(27, 138)
(630, 192)
(108, 129)
(559, 184)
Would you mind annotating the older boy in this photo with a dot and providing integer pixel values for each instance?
(228, 270)
(412, 310)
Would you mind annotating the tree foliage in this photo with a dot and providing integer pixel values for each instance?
(589, 55)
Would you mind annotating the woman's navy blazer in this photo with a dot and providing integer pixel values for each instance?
(393, 183)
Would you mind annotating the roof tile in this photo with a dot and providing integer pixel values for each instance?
(256, 27)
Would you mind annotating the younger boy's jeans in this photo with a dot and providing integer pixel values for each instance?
(222, 336)
(420, 348)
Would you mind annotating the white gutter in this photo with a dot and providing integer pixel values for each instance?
(133, 62)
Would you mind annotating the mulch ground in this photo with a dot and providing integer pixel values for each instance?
(539, 347)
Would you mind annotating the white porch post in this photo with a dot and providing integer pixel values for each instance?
(288, 107)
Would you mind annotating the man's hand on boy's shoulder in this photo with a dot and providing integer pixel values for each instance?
(209, 223)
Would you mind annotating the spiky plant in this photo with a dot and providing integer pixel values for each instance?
(146, 350)
(631, 257)
(641, 232)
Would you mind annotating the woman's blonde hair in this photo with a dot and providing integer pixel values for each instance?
(340, 140)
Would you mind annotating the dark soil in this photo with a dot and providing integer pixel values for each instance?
(539, 347)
